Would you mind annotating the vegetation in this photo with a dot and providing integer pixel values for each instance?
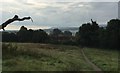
(28, 54)
(47, 57)
(107, 60)
(43, 57)
(25, 35)
(91, 35)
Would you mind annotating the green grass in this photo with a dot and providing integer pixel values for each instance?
(48, 57)
(107, 60)
(43, 57)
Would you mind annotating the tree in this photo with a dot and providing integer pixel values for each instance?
(103, 38)
(67, 33)
(113, 33)
(15, 18)
(23, 34)
(56, 32)
(40, 36)
(9, 37)
(88, 34)
(85, 34)
(109, 37)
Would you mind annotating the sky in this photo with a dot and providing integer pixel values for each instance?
(57, 13)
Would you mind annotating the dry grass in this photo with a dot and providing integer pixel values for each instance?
(43, 57)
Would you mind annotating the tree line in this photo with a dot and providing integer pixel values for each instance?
(25, 35)
(89, 34)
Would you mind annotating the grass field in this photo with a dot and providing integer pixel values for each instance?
(47, 57)
(107, 60)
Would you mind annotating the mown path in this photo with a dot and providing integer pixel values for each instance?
(89, 62)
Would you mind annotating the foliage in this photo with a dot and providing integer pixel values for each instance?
(59, 37)
(113, 33)
(67, 33)
(25, 35)
(8, 37)
(88, 34)
(92, 35)
(56, 32)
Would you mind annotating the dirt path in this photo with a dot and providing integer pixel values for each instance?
(89, 62)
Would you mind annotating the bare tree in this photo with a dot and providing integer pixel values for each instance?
(15, 18)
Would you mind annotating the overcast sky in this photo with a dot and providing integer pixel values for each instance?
(56, 13)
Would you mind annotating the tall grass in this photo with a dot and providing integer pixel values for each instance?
(42, 57)
(9, 50)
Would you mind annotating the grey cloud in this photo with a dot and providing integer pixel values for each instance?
(75, 17)
(54, 14)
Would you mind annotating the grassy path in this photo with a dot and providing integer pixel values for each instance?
(105, 59)
(90, 63)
